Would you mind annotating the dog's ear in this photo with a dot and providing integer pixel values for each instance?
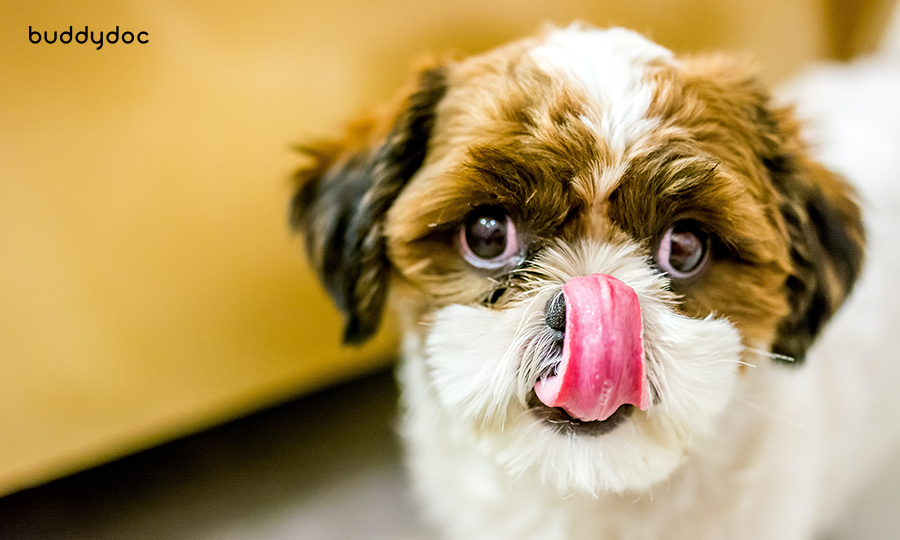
(817, 212)
(827, 240)
(342, 199)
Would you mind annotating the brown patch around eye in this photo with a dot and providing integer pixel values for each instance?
(523, 159)
(742, 279)
(703, 164)
(810, 213)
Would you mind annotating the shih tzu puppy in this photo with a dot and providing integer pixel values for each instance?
(609, 265)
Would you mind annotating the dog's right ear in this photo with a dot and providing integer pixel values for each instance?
(342, 199)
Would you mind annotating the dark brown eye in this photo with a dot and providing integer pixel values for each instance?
(488, 238)
(683, 250)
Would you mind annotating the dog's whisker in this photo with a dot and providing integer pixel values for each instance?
(769, 413)
(519, 348)
(733, 361)
(772, 355)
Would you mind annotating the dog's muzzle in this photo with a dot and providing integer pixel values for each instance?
(602, 365)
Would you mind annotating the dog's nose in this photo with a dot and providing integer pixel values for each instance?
(555, 313)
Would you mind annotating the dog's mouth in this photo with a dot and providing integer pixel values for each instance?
(564, 423)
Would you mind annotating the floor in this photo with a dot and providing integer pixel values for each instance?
(324, 467)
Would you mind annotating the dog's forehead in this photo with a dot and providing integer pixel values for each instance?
(571, 83)
(610, 67)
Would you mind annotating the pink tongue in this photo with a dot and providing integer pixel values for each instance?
(602, 364)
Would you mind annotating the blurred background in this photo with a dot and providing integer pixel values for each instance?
(149, 286)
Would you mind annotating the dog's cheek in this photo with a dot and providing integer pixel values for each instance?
(472, 362)
(694, 364)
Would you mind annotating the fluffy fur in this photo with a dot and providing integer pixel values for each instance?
(594, 143)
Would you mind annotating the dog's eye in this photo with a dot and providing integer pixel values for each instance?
(683, 250)
(488, 238)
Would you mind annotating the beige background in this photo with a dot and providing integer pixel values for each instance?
(148, 283)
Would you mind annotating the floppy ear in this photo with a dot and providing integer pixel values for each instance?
(827, 238)
(342, 199)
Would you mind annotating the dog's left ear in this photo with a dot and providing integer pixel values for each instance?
(827, 240)
(342, 199)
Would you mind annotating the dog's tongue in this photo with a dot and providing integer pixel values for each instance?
(602, 364)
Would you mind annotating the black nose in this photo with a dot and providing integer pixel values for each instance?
(555, 313)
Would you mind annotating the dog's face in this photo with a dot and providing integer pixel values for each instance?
(586, 239)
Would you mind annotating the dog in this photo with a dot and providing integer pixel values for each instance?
(609, 266)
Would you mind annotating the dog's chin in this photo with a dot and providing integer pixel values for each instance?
(476, 368)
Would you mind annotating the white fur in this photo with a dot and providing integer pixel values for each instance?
(480, 458)
(477, 360)
(609, 66)
(857, 369)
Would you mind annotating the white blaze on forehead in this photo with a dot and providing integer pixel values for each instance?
(609, 65)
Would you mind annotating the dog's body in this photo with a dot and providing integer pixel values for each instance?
(523, 208)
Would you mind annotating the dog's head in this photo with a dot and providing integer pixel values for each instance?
(585, 237)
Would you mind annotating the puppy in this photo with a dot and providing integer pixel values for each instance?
(609, 265)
